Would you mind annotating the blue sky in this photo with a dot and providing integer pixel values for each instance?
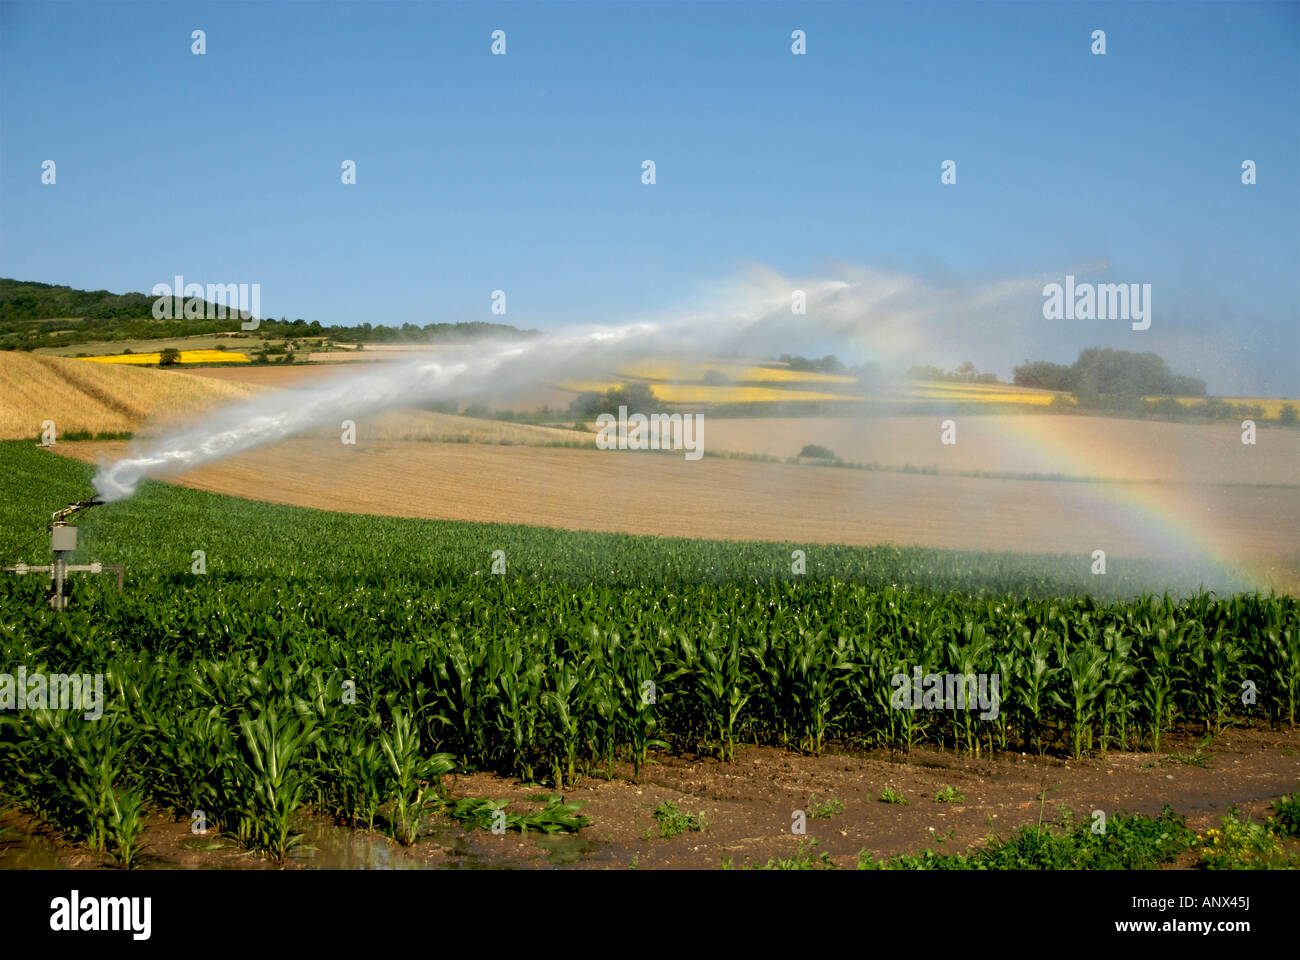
(522, 172)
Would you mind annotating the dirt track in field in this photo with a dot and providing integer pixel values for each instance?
(748, 806)
(664, 494)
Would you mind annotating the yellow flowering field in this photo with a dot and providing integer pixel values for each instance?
(744, 373)
(187, 356)
(1272, 405)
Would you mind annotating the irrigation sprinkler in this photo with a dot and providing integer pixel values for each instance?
(63, 541)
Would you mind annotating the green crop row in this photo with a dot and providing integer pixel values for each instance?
(245, 702)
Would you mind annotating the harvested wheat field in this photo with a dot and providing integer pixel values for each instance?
(267, 374)
(1043, 444)
(100, 398)
(664, 494)
(452, 428)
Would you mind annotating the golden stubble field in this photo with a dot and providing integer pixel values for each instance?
(324, 366)
(1021, 443)
(101, 398)
(664, 494)
(1043, 444)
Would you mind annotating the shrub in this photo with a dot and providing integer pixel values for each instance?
(637, 397)
(818, 453)
(1285, 821)
(1240, 845)
(1129, 843)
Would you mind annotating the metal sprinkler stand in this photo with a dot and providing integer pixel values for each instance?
(63, 541)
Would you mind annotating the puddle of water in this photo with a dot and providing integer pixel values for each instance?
(327, 846)
(205, 844)
(27, 851)
(565, 848)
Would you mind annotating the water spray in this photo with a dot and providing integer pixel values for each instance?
(749, 316)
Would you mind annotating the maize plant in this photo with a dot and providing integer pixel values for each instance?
(1158, 673)
(1084, 671)
(271, 751)
(965, 660)
(642, 694)
(415, 780)
(1283, 671)
(721, 688)
(1117, 706)
(562, 724)
(125, 822)
(1222, 680)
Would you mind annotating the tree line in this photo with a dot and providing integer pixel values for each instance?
(1102, 372)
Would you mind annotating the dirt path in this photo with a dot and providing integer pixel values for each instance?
(748, 806)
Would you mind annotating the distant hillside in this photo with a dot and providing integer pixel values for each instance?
(45, 315)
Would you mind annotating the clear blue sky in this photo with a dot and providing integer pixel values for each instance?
(522, 172)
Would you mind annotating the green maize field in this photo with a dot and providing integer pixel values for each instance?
(349, 664)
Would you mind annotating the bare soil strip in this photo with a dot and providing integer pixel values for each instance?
(749, 806)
